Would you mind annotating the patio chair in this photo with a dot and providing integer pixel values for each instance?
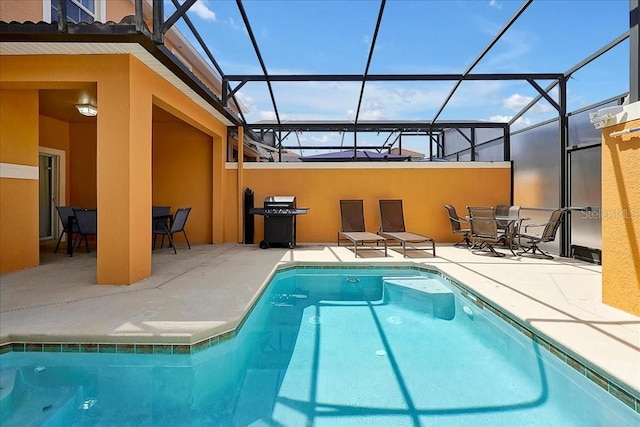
(484, 229)
(352, 226)
(64, 212)
(87, 220)
(177, 226)
(456, 226)
(548, 234)
(392, 226)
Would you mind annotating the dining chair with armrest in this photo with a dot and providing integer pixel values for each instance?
(484, 228)
(457, 226)
(548, 234)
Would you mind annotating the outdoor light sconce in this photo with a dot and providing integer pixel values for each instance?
(87, 110)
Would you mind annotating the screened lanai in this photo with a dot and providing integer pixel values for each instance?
(481, 81)
(521, 91)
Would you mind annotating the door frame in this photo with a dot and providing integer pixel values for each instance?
(59, 185)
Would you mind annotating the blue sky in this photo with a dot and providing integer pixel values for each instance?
(416, 36)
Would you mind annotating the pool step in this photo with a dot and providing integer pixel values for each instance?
(421, 293)
(23, 404)
(7, 385)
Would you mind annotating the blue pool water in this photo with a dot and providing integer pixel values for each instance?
(324, 348)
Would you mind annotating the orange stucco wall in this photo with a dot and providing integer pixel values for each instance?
(424, 192)
(118, 9)
(82, 165)
(127, 91)
(621, 218)
(19, 241)
(21, 10)
(32, 10)
(182, 156)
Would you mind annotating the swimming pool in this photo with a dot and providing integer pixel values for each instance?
(324, 347)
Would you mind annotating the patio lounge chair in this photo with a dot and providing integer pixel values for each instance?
(177, 226)
(352, 226)
(456, 226)
(484, 229)
(392, 226)
(548, 234)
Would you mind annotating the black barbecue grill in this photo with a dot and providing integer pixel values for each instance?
(280, 214)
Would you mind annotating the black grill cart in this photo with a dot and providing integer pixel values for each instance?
(280, 214)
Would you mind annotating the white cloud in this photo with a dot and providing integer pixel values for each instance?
(231, 23)
(500, 119)
(201, 9)
(372, 109)
(517, 102)
(324, 138)
(381, 101)
(522, 122)
(494, 3)
(266, 115)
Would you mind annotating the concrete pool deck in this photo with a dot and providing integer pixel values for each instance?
(207, 291)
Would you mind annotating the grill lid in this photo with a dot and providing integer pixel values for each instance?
(280, 199)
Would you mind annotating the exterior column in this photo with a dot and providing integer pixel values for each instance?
(123, 176)
(219, 187)
(240, 183)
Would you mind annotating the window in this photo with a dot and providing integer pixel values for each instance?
(77, 10)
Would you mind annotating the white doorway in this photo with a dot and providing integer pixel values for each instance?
(51, 184)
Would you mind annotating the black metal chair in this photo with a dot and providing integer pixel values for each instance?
(548, 234)
(456, 226)
(87, 220)
(160, 214)
(64, 212)
(177, 226)
(484, 229)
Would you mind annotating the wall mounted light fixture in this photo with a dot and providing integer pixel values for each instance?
(87, 110)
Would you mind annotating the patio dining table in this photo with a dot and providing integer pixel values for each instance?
(512, 225)
(72, 219)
